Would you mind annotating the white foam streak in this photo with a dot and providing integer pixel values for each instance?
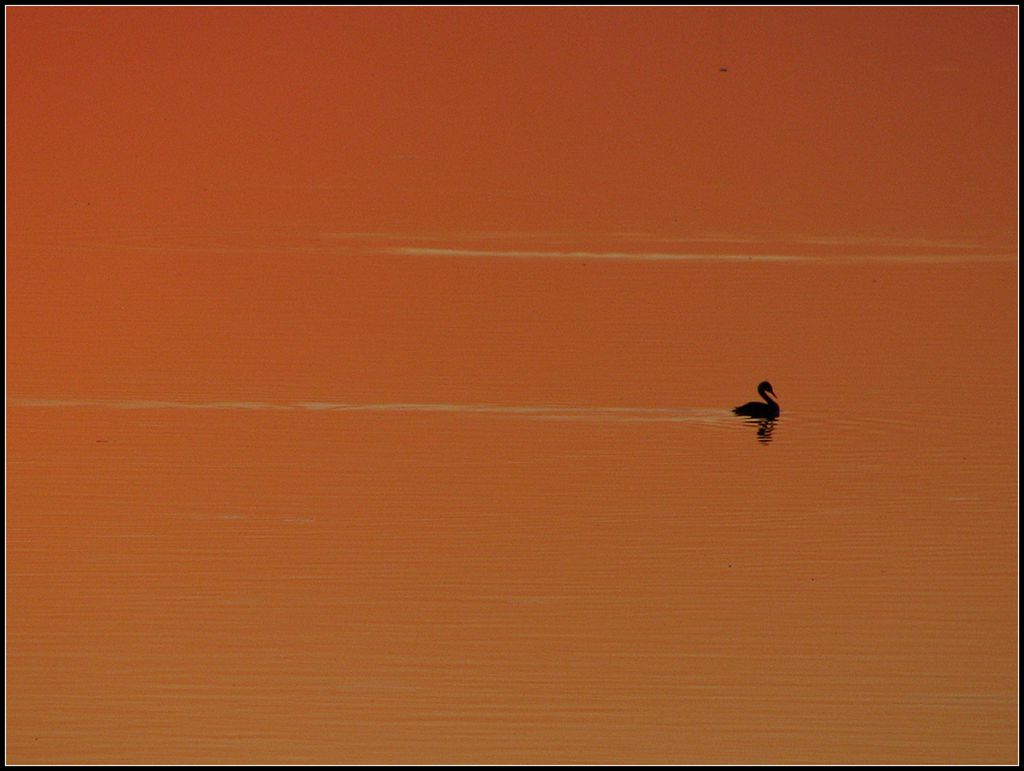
(410, 251)
(637, 256)
(537, 412)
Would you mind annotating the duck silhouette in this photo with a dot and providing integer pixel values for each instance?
(766, 409)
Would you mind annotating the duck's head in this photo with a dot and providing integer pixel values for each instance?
(766, 387)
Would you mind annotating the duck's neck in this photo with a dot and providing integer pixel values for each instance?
(767, 398)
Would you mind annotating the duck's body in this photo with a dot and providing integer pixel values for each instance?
(766, 409)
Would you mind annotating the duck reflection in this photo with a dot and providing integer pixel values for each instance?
(764, 429)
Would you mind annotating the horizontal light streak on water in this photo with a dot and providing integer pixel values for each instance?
(639, 256)
(696, 257)
(543, 412)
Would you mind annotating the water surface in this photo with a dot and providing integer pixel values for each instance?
(348, 499)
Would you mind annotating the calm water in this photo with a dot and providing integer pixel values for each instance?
(367, 503)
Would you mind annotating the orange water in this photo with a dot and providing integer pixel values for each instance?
(369, 375)
(497, 510)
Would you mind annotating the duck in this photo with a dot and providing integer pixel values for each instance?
(766, 409)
